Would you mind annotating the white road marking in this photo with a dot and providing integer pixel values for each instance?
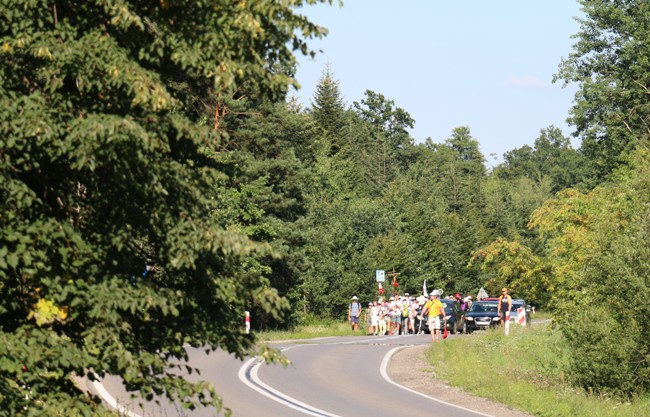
(274, 394)
(384, 373)
(112, 401)
(252, 380)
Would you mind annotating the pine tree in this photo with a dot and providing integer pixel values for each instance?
(328, 108)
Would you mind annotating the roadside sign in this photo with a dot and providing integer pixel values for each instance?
(521, 316)
(380, 275)
(482, 293)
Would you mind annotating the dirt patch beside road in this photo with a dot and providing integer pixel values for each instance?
(409, 367)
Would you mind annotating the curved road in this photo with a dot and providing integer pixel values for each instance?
(342, 376)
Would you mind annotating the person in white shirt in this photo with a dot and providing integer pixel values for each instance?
(383, 316)
(375, 318)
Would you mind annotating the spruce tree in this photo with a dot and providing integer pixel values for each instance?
(328, 108)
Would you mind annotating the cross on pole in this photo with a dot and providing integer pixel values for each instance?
(394, 274)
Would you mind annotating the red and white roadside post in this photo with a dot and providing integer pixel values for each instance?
(521, 316)
(248, 322)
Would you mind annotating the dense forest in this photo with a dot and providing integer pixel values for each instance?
(157, 179)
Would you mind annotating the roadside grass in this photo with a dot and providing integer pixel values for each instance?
(541, 315)
(310, 331)
(525, 371)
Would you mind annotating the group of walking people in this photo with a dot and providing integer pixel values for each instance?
(401, 315)
(392, 317)
(406, 314)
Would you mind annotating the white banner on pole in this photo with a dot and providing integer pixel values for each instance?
(380, 275)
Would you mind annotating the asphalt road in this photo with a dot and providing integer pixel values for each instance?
(342, 376)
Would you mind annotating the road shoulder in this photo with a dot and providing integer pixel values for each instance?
(409, 368)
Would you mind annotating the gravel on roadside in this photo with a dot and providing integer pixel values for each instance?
(409, 368)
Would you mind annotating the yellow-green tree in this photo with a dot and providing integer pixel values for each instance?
(594, 274)
(513, 265)
(599, 262)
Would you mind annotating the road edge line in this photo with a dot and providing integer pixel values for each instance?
(273, 394)
(383, 370)
(111, 401)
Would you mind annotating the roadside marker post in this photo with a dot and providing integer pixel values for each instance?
(521, 316)
(248, 322)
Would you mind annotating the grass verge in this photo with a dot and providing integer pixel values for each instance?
(310, 331)
(525, 371)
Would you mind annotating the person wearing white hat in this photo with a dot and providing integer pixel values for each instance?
(354, 312)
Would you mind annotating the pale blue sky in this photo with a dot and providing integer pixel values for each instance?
(483, 64)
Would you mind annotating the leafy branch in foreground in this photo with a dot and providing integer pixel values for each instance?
(112, 258)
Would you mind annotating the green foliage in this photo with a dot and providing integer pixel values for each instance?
(446, 206)
(387, 136)
(589, 261)
(552, 159)
(532, 368)
(120, 234)
(515, 267)
(154, 184)
(328, 109)
(338, 247)
(508, 204)
(310, 327)
(610, 63)
(268, 150)
(425, 222)
(598, 259)
(606, 356)
(618, 285)
(594, 272)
